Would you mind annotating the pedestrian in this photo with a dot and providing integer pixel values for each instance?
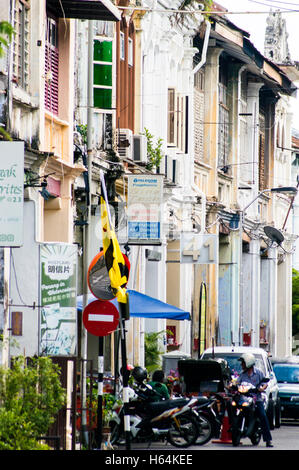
(157, 383)
(255, 376)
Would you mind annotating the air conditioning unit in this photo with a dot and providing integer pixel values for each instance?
(124, 143)
(140, 148)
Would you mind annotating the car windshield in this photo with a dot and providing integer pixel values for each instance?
(287, 373)
(234, 363)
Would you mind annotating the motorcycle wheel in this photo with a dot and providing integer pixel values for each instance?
(183, 431)
(117, 433)
(236, 432)
(256, 437)
(205, 429)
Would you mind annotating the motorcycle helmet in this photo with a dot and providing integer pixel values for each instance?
(248, 359)
(139, 374)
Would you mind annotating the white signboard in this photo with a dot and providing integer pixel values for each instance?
(199, 248)
(145, 194)
(11, 193)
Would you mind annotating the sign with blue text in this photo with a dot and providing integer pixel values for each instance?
(11, 193)
(145, 195)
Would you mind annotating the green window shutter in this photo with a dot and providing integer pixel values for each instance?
(102, 98)
(102, 74)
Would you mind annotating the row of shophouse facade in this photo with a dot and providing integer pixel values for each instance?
(81, 83)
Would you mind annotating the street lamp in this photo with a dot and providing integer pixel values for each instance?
(289, 190)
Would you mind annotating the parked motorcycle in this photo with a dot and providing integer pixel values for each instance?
(210, 411)
(244, 419)
(174, 420)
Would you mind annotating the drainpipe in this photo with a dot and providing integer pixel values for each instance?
(204, 49)
(194, 71)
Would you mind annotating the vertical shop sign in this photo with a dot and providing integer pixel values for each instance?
(11, 193)
(58, 320)
(202, 318)
(145, 194)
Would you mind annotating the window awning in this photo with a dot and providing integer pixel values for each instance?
(144, 306)
(84, 9)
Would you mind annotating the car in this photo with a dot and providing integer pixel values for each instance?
(287, 375)
(232, 354)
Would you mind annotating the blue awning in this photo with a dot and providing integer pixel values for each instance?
(144, 306)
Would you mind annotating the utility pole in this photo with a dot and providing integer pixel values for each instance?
(86, 239)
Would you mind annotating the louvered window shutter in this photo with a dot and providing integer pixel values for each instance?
(51, 67)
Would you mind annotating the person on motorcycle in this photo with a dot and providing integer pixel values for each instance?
(254, 376)
(157, 384)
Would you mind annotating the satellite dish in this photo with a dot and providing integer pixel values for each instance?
(274, 234)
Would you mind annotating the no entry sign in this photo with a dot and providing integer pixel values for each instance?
(100, 318)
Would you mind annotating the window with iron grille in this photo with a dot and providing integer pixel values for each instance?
(223, 117)
(21, 41)
(262, 174)
(51, 66)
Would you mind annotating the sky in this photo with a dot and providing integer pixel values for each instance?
(254, 22)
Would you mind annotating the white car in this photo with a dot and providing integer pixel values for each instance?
(232, 353)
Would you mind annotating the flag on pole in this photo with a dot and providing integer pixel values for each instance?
(115, 262)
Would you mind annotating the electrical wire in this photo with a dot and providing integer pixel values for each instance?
(282, 11)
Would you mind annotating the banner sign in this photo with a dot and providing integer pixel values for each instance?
(11, 193)
(58, 293)
(145, 197)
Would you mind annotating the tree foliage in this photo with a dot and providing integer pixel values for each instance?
(30, 397)
(152, 350)
(6, 34)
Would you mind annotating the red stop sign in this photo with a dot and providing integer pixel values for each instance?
(100, 318)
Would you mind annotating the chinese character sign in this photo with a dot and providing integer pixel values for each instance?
(11, 193)
(58, 323)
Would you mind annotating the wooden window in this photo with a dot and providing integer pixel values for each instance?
(122, 46)
(21, 42)
(171, 117)
(262, 176)
(177, 120)
(223, 118)
(102, 69)
(51, 66)
(130, 52)
(17, 323)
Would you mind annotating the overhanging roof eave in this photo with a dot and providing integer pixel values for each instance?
(84, 9)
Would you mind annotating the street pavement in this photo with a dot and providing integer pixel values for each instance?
(285, 438)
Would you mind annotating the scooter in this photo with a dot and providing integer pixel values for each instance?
(244, 419)
(174, 420)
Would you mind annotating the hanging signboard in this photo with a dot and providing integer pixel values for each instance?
(58, 292)
(199, 248)
(145, 197)
(11, 193)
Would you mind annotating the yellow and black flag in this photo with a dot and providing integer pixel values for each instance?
(114, 259)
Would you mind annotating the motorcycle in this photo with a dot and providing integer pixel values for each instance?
(173, 420)
(210, 413)
(244, 419)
